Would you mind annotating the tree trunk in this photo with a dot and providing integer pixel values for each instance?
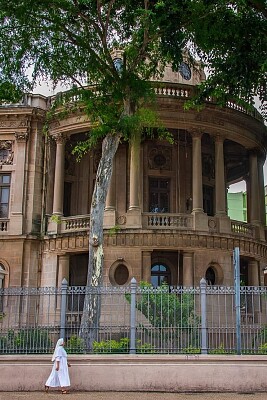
(92, 301)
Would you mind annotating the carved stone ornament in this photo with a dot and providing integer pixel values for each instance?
(21, 136)
(121, 220)
(160, 157)
(6, 153)
(59, 138)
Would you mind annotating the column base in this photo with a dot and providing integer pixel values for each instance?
(200, 221)
(134, 218)
(224, 223)
(109, 218)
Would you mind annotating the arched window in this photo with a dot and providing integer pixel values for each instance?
(160, 273)
(210, 276)
(121, 274)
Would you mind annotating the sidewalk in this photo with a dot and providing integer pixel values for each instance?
(55, 395)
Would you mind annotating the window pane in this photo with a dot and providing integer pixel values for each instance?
(4, 195)
(3, 210)
(6, 178)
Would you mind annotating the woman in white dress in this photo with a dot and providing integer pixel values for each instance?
(60, 372)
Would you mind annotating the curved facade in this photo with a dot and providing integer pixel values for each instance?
(166, 210)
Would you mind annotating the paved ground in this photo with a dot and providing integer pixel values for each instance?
(55, 395)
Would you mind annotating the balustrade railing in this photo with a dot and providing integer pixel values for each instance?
(73, 224)
(3, 225)
(243, 228)
(167, 221)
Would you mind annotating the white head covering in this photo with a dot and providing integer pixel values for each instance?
(59, 343)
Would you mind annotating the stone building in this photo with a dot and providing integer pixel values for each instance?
(166, 213)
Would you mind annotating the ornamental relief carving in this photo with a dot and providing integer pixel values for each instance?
(14, 123)
(160, 157)
(6, 152)
(21, 136)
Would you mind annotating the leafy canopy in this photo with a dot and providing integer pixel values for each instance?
(73, 41)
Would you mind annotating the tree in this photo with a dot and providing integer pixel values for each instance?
(116, 47)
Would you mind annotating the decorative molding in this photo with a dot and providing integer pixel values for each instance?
(59, 138)
(6, 152)
(160, 157)
(168, 240)
(121, 220)
(21, 136)
(209, 119)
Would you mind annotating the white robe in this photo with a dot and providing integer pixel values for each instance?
(61, 377)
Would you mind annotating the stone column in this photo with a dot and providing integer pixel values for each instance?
(220, 203)
(261, 191)
(146, 266)
(254, 188)
(197, 172)
(59, 175)
(63, 269)
(188, 269)
(134, 203)
(17, 208)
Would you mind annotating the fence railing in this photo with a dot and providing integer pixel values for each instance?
(134, 319)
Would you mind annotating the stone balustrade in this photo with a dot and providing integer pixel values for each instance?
(3, 225)
(243, 228)
(77, 223)
(167, 221)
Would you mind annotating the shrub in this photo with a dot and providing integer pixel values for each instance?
(75, 345)
(32, 340)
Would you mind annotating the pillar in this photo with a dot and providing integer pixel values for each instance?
(188, 270)
(197, 172)
(220, 199)
(146, 266)
(134, 203)
(63, 269)
(59, 175)
(261, 191)
(254, 188)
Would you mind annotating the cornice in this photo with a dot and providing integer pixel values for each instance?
(161, 240)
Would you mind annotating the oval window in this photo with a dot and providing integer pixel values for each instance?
(121, 274)
(210, 276)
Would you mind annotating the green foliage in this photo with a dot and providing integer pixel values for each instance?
(114, 230)
(28, 340)
(165, 309)
(262, 349)
(218, 350)
(120, 346)
(112, 346)
(75, 345)
(56, 219)
(191, 350)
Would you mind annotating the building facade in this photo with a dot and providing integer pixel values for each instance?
(166, 211)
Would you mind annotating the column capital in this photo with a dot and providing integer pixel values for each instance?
(218, 137)
(21, 136)
(59, 138)
(195, 132)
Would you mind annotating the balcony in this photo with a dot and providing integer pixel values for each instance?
(151, 221)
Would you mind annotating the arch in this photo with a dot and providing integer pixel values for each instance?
(214, 274)
(120, 273)
(4, 274)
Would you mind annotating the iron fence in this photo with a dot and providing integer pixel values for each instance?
(135, 319)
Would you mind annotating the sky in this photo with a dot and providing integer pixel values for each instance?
(47, 90)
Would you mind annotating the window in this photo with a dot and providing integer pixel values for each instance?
(159, 195)
(2, 277)
(160, 273)
(4, 195)
(121, 274)
(210, 276)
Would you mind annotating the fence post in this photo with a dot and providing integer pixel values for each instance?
(64, 287)
(203, 305)
(236, 260)
(133, 322)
